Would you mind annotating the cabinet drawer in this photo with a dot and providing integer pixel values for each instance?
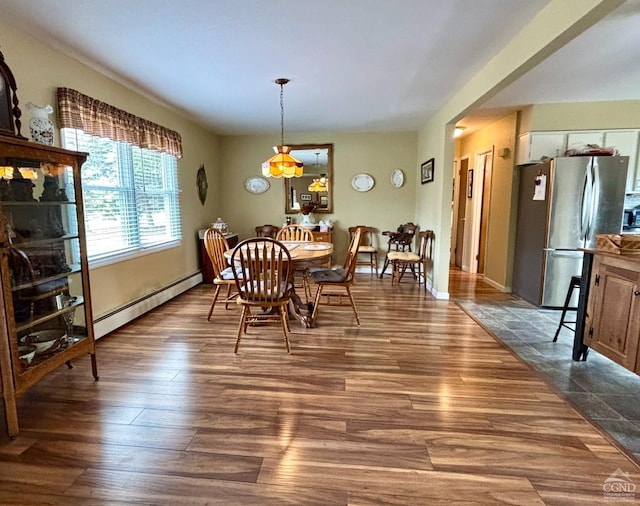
(322, 236)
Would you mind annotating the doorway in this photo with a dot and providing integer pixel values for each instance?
(471, 209)
(461, 211)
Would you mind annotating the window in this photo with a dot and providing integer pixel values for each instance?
(130, 196)
(129, 181)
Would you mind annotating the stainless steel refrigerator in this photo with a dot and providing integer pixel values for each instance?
(562, 205)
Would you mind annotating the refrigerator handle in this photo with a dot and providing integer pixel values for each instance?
(595, 192)
(585, 205)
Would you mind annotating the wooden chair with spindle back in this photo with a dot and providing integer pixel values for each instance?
(216, 244)
(265, 285)
(297, 233)
(333, 283)
(267, 231)
(294, 232)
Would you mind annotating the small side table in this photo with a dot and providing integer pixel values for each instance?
(205, 263)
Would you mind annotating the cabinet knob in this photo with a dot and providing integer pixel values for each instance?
(636, 293)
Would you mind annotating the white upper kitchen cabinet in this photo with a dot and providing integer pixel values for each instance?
(532, 146)
(579, 140)
(626, 142)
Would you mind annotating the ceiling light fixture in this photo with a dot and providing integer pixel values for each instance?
(282, 164)
(457, 132)
(318, 185)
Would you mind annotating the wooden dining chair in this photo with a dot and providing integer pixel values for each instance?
(416, 261)
(267, 231)
(216, 244)
(263, 275)
(367, 247)
(332, 283)
(294, 232)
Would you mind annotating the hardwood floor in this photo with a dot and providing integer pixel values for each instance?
(418, 405)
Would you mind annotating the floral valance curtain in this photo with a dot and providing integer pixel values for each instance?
(103, 120)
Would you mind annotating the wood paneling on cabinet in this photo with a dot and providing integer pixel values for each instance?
(613, 310)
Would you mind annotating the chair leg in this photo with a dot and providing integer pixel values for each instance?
(565, 308)
(242, 326)
(353, 305)
(384, 267)
(375, 260)
(283, 318)
(316, 303)
(307, 286)
(213, 304)
(286, 313)
(226, 301)
(404, 269)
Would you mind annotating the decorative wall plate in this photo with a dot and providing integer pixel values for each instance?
(362, 182)
(397, 178)
(256, 184)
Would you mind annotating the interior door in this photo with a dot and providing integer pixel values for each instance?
(462, 209)
(484, 212)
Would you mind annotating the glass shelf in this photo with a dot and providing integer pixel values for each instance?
(73, 269)
(32, 323)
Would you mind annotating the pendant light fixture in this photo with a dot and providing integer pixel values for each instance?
(282, 164)
(318, 185)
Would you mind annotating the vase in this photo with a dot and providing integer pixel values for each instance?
(307, 220)
(40, 126)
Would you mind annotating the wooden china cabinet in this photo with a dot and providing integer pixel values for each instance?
(46, 320)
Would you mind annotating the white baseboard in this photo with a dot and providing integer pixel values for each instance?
(498, 286)
(436, 293)
(105, 324)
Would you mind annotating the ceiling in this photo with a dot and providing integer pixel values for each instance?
(354, 65)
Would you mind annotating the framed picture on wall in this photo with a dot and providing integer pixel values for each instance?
(426, 171)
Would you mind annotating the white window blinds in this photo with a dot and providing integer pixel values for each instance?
(131, 196)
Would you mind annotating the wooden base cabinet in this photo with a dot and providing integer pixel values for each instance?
(47, 319)
(323, 236)
(612, 325)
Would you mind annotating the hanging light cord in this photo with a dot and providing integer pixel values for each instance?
(282, 114)
(281, 82)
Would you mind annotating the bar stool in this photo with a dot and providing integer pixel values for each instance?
(575, 283)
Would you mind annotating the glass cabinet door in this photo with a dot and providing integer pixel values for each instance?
(40, 220)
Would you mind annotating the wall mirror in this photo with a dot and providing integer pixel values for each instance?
(314, 187)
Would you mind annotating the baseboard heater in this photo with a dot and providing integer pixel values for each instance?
(109, 322)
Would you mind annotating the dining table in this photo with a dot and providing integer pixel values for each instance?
(303, 254)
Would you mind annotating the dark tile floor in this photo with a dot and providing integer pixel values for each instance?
(602, 390)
